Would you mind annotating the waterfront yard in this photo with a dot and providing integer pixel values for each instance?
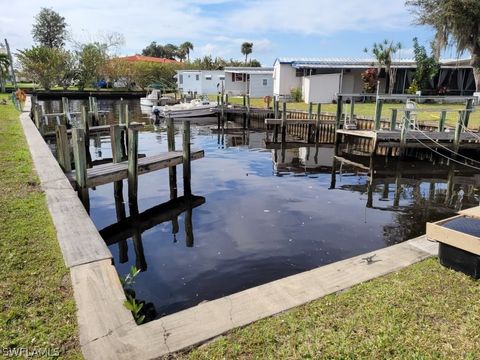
(422, 312)
(368, 109)
(37, 309)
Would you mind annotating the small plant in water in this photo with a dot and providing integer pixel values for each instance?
(135, 307)
(129, 279)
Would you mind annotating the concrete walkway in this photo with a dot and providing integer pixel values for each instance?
(107, 329)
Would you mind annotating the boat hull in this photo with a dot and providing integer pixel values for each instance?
(187, 113)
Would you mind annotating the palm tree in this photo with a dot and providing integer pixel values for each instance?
(185, 48)
(456, 20)
(247, 48)
(383, 53)
(4, 64)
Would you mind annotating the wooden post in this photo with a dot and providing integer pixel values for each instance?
(378, 114)
(63, 148)
(187, 190)
(126, 115)
(276, 108)
(310, 110)
(132, 166)
(468, 110)
(37, 116)
(352, 108)
(121, 117)
(65, 110)
(338, 117)
(284, 121)
(443, 118)
(317, 123)
(115, 139)
(248, 111)
(226, 99)
(393, 119)
(79, 156)
(172, 170)
(84, 124)
(403, 133)
(458, 130)
(244, 115)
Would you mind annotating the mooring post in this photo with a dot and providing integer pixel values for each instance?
(443, 118)
(378, 113)
(172, 170)
(63, 148)
(244, 113)
(393, 119)
(121, 117)
(468, 110)
(458, 129)
(79, 156)
(276, 109)
(284, 121)
(126, 115)
(338, 117)
(95, 117)
(115, 140)
(310, 110)
(248, 111)
(317, 122)
(187, 190)
(132, 170)
(84, 124)
(37, 116)
(403, 132)
(352, 108)
(65, 110)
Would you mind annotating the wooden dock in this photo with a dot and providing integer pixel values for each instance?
(106, 173)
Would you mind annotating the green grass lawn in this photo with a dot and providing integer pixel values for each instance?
(37, 309)
(422, 312)
(368, 109)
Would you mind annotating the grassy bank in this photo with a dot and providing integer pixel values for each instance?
(422, 312)
(368, 109)
(37, 310)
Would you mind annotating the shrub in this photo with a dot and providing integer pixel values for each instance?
(370, 78)
(296, 94)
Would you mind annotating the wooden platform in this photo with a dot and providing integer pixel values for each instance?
(103, 174)
(299, 122)
(392, 138)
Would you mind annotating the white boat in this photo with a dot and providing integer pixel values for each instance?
(194, 108)
(154, 97)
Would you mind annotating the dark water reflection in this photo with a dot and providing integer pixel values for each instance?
(266, 214)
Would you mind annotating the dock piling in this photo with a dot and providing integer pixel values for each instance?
(63, 148)
(79, 155)
(132, 166)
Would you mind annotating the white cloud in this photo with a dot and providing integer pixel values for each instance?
(321, 17)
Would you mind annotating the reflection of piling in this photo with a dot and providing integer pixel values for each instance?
(284, 121)
(186, 158)
(188, 225)
(172, 171)
(140, 261)
(333, 174)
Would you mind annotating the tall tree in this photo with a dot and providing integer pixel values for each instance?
(42, 64)
(92, 58)
(4, 64)
(454, 21)
(383, 53)
(427, 66)
(50, 29)
(186, 47)
(246, 49)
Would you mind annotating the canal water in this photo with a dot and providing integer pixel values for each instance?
(266, 214)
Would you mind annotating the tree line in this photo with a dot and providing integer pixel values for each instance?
(94, 63)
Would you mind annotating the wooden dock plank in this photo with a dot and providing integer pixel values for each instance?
(103, 174)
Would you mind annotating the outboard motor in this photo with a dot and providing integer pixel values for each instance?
(156, 112)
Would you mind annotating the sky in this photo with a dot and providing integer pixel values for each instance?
(277, 28)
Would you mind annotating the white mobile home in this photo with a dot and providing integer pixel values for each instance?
(253, 81)
(321, 79)
(199, 82)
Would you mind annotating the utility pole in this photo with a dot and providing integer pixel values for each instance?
(11, 64)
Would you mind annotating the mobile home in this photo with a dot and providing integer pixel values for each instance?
(199, 82)
(253, 81)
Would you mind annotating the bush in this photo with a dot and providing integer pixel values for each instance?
(370, 78)
(296, 94)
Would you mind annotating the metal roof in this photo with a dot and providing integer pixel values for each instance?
(359, 63)
(249, 70)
